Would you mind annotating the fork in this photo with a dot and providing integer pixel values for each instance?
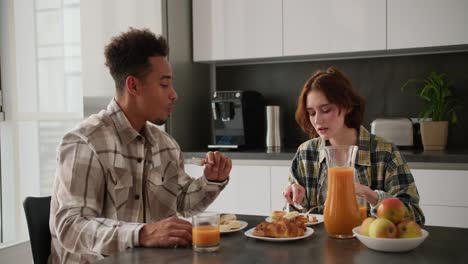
(296, 206)
(198, 161)
(299, 207)
(310, 210)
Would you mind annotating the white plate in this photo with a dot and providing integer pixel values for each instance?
(243, 225)
(309, 231)
(390, 244)
(318, 216)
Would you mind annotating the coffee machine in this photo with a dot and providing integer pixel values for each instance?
(238, 120)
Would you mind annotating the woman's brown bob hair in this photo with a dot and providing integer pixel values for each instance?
(338, 89)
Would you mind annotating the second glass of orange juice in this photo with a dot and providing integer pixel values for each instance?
(205, 232)
(362, 204)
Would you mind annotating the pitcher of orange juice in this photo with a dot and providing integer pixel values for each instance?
(341, 213)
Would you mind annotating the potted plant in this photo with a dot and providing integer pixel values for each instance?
(441, 107)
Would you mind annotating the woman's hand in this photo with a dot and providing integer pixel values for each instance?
(366, 192)
(217, 166)
(294, 193)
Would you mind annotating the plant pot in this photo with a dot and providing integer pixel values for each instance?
(434, 134)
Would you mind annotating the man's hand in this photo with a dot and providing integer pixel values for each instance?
(169, 232)
(294, 193)
(217, 166)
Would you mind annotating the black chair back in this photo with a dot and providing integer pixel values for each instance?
(37, 210)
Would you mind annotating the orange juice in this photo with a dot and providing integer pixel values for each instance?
(363, 212)
(341, 211)
(205, 235)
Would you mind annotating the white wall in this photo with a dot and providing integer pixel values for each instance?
(100, 21)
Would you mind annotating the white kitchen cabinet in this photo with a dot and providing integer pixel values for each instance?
(426, 23)
(443, 196)
(319, 27)
(241, 29)
(450, 216)
(279, 181)
(248, 191)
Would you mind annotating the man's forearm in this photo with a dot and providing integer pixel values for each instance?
(198, 195)
(97, 236)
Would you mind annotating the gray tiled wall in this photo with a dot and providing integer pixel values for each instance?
(378, 79)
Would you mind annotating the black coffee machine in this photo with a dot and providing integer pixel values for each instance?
(238, 120)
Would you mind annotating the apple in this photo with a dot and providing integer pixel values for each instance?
(382, 228)
(365, 225)
(408, 229)
(392, 209)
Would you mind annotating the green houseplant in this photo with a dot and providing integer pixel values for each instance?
(441, 107)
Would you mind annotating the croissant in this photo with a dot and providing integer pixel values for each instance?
(281, 228)
(275, 215)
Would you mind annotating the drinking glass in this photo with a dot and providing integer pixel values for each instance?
(205, 232)
(362, 205)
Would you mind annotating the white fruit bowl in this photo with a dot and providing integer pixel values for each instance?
(390, 244)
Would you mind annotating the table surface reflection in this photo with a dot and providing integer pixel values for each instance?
(444, 245)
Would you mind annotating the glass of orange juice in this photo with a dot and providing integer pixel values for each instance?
(205, 232)
(362, 205)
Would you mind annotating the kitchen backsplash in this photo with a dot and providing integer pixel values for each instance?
(377, 79)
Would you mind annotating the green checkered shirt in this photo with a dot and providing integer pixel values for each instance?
(378, 165)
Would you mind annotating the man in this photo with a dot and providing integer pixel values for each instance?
(120, 181)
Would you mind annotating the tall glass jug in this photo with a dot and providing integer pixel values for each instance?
(341, 213)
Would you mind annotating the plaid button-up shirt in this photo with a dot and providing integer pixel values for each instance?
(378, 165)
(110, 179)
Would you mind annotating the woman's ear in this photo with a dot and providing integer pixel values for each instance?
(346, 111)
(131, 85)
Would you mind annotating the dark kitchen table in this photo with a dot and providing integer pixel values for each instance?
(444, 245)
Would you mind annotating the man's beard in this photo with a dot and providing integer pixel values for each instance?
(159, 122)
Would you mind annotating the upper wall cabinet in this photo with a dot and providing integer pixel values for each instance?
(426, 23)
(240, 29)
(334, 26)
(253, 29)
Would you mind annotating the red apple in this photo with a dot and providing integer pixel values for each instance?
(409, 229)
(365, 225)
(382, 228)
(392, 209)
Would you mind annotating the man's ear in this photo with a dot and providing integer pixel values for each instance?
(131, 85)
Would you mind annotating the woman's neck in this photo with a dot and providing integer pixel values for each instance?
(348, 136)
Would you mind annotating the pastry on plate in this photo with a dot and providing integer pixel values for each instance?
(226, 218)
(289, 225)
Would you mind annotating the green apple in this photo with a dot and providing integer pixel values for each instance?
(365, 225)
(382, 228)
(392, 209)
(408, 229)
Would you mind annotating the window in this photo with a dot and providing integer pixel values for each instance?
(43, 98)
(43, 58)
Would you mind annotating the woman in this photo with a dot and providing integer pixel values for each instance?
(332, 112)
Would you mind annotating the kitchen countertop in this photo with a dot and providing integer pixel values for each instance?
(452, 159)
(444, 245)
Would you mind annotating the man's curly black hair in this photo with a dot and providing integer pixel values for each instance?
(128, 54)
